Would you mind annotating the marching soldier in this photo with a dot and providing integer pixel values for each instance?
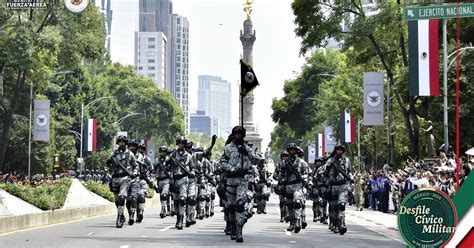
(191, 200)
(318, 183)
(204, 178)
(307, 172)
(124, 167)
(262, 193)
(134, 191)
(163, 176)
(294, 182)
(279, 176)
(212, 185)
(359, 192)
(339, 173)
(181, 168)
(145, 170)
(237, 163)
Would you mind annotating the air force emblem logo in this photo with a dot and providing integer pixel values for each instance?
(76, 6)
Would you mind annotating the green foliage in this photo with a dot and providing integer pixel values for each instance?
(100, 189)
(150, 193)
(46, 196)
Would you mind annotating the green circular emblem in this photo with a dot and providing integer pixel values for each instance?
(427, 218)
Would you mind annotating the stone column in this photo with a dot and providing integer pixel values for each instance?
(247, 36)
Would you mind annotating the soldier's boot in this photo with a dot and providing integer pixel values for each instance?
(239, 238)
(292, 226)
(336, 225)
(233, 230)
(282, 213)
(324, 219)
(131, 217)
(140, 215)
(120, 221)
(208, 211)
(264, 207)
(331, 223)
(304, 224)
(227, 227)
(297, 226)
(259, 209)
(342, 227)
(193, 218)
(179, 222)
(188, 220)
(163, 213)
(211, 213)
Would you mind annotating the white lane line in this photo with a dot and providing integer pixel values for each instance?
(287, 233)
(124, 246)
(166, 228)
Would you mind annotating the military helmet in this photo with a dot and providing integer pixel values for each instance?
(199, 149)
(181, 140)
(122, 138)
(189, 144)
(319, 159)
(133, 143)
(239, 129)
(141, 146)
(163, 149)
(284, 154)
(291, 146)
(339, 146)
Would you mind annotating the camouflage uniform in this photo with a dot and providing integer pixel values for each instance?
(306, 172)
(237, 182)
(145, 170)
(163, 176)
(120, 183)
(359, 192)
(204, 174)
(252, 179)
(262, 193)
(212, 188)
(339, 187)
(134, 190)
(294, 190)
(279, 176)
(323, 193)
(180, 179)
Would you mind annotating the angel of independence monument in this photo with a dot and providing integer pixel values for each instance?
(247, 36)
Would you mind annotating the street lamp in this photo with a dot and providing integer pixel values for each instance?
(121, 119)
(82, 118)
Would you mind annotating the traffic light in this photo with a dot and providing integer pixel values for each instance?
(56, 161)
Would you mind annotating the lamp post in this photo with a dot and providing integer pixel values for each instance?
(82, 118)
(121, 119)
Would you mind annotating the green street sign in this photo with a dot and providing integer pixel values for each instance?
(438, 12)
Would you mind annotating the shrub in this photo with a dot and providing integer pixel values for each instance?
(99, 189)
(46, 196)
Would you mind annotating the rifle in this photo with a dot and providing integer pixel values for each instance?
(144, 176)
(181, 166)
(343, 173)
(119, 164)
(163, 168)
(289, 165)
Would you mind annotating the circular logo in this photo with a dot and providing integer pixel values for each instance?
(374, 98)
(76, 6)
(249, 77)
(427, 218)
(41, 120)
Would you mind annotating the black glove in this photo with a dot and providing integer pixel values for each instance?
(242, 150)
(133, 176)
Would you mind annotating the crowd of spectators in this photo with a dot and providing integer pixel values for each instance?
(385, 189)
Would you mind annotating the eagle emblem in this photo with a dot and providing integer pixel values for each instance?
(41, 120)
(374, 98)
(76, 2)
(249, 77)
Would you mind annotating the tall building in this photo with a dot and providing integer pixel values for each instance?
(200, 123)
(156, 16)
(150, 56)
(122, 23)
(180, 64)
(214, 98)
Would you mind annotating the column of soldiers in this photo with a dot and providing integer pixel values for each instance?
(187, 179)
(327, 184)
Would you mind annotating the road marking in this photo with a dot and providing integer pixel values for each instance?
(292, 242)
(288, 233)
(124, 246)
(166, 228)
(91, 233)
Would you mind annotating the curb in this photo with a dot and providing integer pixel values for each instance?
(14, 223)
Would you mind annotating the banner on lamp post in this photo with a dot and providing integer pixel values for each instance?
(41, 120)
(373, 99)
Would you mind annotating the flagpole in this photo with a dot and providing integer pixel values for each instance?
(242, 125)
(29, 137)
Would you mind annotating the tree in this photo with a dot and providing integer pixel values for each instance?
(33, 45)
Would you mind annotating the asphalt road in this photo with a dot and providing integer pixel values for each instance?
(260, 231)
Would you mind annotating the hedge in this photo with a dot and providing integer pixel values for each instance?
(46, 196)
(99, 189)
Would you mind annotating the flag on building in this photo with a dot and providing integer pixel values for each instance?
(423, 77)
(320, 145)
(329, 139)
(248, 80)
(90, 135)
(348, 127)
